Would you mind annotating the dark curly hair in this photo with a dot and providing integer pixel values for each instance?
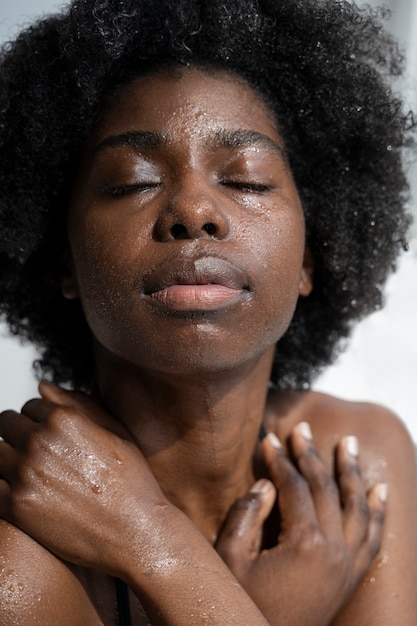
(323, 66)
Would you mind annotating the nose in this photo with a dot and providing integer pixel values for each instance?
(192, 212)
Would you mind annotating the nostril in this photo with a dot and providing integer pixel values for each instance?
(210, 228)
(178, 231)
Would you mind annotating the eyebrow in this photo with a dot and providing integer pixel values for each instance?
(132, 139)
(147, 140)
(246, 138)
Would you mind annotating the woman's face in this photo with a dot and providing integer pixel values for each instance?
(186, 230)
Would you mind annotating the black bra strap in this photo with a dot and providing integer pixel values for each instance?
(262, 433)
(123, 606)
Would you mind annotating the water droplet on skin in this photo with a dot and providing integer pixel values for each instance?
(389, 148)
(372, 580)
(96, 489)
(383, 562)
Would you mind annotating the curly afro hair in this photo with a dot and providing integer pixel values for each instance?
(322, 66)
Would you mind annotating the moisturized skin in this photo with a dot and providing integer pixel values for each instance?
(183, 210)
(186, 249)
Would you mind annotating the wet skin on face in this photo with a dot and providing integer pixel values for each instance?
(185, 227)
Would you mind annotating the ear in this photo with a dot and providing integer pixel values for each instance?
(307, 272)
(69, 286)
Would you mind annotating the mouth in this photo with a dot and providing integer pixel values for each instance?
(203, 284)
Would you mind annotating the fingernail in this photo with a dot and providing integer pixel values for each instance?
(47, 384)
(383, 492)
(305, 430)
(261, 486)
(352, 446)
(49, 389)
(274, 441)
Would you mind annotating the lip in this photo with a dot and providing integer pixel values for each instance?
(201, 284)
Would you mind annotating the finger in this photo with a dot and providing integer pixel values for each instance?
(353, 493)
(7, 461)
(66, 397)
(377, 499)
(55, 394)
(85, 405)
(15, 428)
(294, 498)
(37, 409)
(63, 402)
(4, 497)
(324, 490)
(240, 538)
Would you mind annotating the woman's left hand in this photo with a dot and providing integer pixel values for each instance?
(330, 532)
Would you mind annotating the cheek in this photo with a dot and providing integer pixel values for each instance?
(283, 253)
(280, 249)
(106, 268)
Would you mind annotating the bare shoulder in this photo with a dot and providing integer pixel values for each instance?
(386, 449)
(36, 588)
(384, 441)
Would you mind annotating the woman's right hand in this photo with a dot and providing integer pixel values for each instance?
(329, 532)
(69, 477)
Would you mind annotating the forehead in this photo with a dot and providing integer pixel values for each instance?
(189, 100)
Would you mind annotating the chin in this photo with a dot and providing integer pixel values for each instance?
(206, 354)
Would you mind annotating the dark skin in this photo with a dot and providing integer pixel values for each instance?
(186, 249)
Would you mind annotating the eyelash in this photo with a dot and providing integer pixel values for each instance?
(125, 190)
(247, 187)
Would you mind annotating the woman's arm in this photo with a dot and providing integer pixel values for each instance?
(36, 588)
(77, 487)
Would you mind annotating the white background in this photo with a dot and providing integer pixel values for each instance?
(381, 362)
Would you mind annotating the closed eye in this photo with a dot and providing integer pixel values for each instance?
(247, 187)
(119, 191)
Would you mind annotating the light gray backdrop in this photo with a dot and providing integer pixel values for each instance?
(381, 363)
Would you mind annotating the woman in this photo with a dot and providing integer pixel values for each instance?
(219, 204)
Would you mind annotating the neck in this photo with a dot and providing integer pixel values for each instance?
(198, 433)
